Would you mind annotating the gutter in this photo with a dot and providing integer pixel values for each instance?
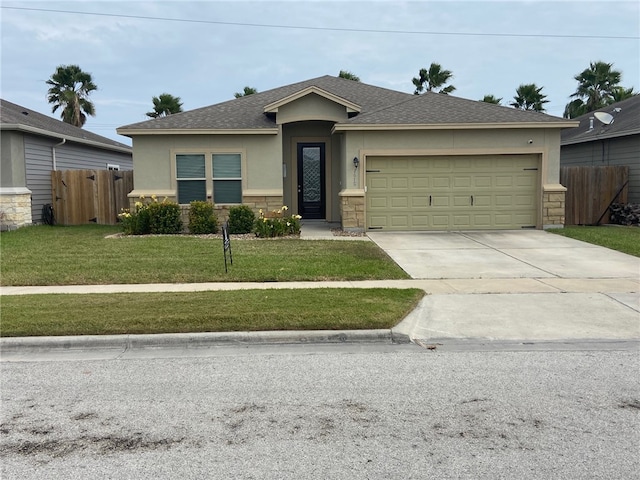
(53, 153)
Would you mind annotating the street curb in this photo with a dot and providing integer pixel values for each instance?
(196, 340)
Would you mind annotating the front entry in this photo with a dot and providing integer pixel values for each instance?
(311, 180)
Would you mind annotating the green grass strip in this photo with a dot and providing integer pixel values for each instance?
(623, 239)
(216, 311)
(44, 255)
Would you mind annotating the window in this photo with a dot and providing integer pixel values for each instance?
(191, 178)
(227, 178)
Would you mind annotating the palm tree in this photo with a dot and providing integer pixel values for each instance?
(165, 104)
(434, 78)
(69, 90)
(347, 75)
(247, 91)
(596, 86)
(491, 99)
(529, 97)
(621, 93)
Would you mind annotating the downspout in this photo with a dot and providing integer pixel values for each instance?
(53, 153)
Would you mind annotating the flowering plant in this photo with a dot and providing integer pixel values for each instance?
(276, 223)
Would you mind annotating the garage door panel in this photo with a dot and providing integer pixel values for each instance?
(399, 202)
(435, 193)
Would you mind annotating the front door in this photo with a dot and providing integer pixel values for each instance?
(311, 180)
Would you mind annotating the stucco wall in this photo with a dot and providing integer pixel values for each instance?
(154, 164)
(311, 107)
(294, 133)
(454, 142)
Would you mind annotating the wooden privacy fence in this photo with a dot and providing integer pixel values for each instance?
(86, 196)
(590, 191)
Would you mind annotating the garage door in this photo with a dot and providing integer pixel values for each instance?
(452, 192)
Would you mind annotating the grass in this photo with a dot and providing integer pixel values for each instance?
(623, 239)
(45, 255)
(246, 310)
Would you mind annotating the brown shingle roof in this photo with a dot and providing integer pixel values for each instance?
(626, 122)
(436, 108)
(16, 117)
(378, 106)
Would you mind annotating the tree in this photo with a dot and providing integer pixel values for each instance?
(622, 93)
(529, 97)
(247, 91)
(165, 104)
(347, 75)
(596, 87)
(433, 79)
(491, 99)
(69, 89)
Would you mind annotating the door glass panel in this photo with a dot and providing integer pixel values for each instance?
(311, 174)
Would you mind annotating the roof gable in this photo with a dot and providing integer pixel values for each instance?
(16, 117)
(626, 121)
(349, 106)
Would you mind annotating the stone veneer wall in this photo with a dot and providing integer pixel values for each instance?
(352, 212)
(15, 210)
(553, 207)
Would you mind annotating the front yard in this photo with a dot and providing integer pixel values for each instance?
(44, 255)
(83, 255)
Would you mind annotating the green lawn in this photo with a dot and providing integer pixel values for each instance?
(238, 310)
(623, 239)
(45, 255)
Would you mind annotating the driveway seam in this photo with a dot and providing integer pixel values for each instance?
(506, 254)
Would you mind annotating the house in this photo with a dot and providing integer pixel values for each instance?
(32, 145)
(367, 157)
(614, 141)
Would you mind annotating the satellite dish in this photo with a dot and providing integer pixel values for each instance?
(604, 117)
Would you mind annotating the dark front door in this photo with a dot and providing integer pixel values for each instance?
(311, 180)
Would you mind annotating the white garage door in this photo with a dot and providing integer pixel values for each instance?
(452, 192)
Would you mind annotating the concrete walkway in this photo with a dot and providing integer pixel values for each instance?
(529, 286)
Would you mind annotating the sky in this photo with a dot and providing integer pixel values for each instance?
(204, 52)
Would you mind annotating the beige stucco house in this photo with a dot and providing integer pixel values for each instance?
(366, 157)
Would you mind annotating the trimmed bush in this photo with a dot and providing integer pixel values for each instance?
(164, 218)
(153, 217)
(202, 218)
(241, 219)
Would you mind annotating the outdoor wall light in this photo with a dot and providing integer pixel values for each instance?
(356, 162)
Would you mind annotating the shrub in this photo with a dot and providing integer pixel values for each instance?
(151, 217)
(276, 224)
(202, 218)
(241, 219)
(164, 218)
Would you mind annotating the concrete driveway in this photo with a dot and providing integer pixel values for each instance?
(516, 285)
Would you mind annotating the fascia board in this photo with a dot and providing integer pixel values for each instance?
(129, 132)
(338, 127)
(59, 136)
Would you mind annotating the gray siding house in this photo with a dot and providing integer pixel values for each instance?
(33, 145)
(594, 143)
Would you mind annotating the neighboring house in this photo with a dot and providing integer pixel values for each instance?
(596, 143)
(364, 156)
(32, 145)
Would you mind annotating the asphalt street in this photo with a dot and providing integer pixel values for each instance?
(325, 411)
